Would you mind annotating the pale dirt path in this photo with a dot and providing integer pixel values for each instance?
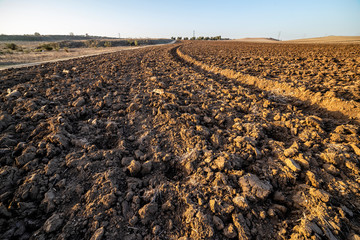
(76, 57)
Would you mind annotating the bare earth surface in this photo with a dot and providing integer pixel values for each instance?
(270, 40)
(330, 39)
(187, 141)
(19, 58)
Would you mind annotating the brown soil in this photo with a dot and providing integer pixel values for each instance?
(329, 39)
(21, 58)
(263, 40)
(146, 144)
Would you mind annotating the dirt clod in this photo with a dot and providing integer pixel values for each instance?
(147, 212)
(254, 187)
(53, 223)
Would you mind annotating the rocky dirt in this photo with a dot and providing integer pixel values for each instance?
(144, 145)
(328, 69)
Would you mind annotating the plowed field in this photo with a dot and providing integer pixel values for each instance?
(187, 141)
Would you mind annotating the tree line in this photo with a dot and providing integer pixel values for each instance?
(198, 38)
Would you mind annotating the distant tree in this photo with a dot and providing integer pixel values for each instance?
(86, 35)
(71, 34)
(218, 37)
(200, 38)
(172, 38)
(207, 38)
(186, 38)
(192, 38)
(179, 38)
(37, 34)
(11, 46)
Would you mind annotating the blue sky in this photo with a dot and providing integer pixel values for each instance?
(160, 18)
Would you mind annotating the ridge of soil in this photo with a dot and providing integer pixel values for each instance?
(335, 105)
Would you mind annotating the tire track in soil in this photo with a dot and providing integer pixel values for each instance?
(195, 156)
(337, 106)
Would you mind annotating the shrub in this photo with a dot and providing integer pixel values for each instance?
(133, 43)
(49, 46)
(91, 43)
(107, 44)
(11, 46)
(186, 38)
(193, 38)
(46, 46)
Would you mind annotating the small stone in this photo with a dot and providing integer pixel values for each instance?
(134, 167)
(98, 234)
(207, 119)
(292, 165)
(133, 220)
(53, 223)
(139, 154)
(262, 214)
(146, 167)
(49, 201)
(271, 212)
(230, 231)
(159, 91)
(156, 229)
(125, 161)
(299, 199)
(219, 224)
